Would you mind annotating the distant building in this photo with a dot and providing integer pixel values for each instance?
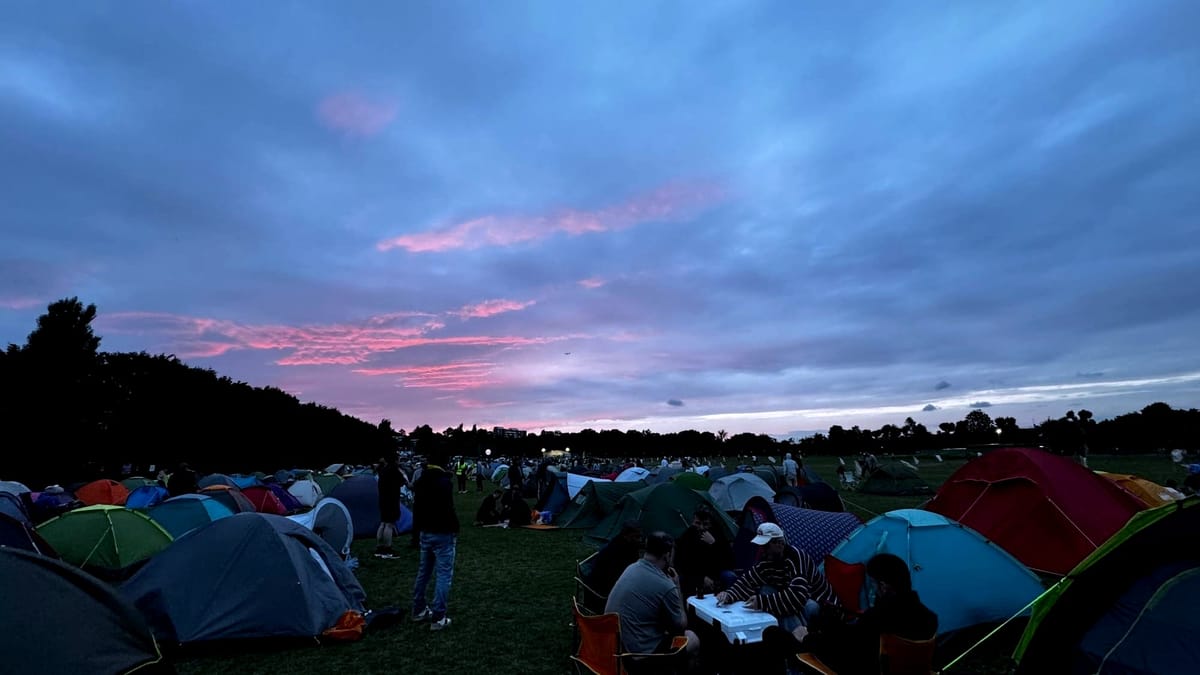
(501, 432)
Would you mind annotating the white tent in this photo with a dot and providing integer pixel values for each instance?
(733, 491)
(330, 520)
(575, 483)
(632, 473)
(307, 492)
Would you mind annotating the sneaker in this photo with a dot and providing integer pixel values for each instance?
(424, 615)
(438, 625)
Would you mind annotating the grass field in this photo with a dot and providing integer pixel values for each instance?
(511, 598)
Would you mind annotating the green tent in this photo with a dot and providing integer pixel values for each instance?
(594, 501)
(895, 478)
(1128, 607)
(692, 481)
(136, 482)
(104, 537)
(667, 507)
(327, 481)
(769, 475)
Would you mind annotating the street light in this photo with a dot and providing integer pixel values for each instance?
(488, 452)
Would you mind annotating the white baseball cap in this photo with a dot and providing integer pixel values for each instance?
(767, 532)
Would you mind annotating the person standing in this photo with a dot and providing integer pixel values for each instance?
(460, 470)
(390, 482)
(480, 470)
(791, 470)
(435, 518)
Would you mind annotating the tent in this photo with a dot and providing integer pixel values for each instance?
(1152, 494)
(894, 478)
(732, 492)
(13, 487)
(360, 496)
(59, 620)
(814, 532)
(1129, 607)
(216, 479)
(182, 514)
(15, 533)
(244, 482)
(1046, 510)
(265, 500)
(327, 481)
(554, 497)
(102, 492)
(594, 502)
(136, 482)
(631, 474)
(231, 497)
(769, 475)
(692, 481)
(667, 507)
(146, 496)
(104, 538)
(964, 578)
(12, 506)
(244, 577)
(575, 483)
(717, 472)
(331, 521)
(307, 492)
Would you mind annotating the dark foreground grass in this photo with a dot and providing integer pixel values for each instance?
(511, 598)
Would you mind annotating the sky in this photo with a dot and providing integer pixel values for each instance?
(766, 217)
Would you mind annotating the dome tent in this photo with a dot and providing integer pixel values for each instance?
(733, 491)
(895, 478)
(92, 630)
(948, 562)
(331, 521)
(666, 506)
(198, 590)
(360, 496)
(182, 514)
(104, 539)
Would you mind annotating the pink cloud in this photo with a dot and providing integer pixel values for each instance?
(456, 376)
(492, 308)
(669, 203)
(592, 282)
(355, 114)
(332, 344)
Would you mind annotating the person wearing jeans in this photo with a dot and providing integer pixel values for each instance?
(435, 518)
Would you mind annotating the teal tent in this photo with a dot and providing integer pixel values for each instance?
(964, 578)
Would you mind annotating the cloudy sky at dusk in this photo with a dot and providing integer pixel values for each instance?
(765, 217)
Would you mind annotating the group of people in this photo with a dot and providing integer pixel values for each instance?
(650, 590)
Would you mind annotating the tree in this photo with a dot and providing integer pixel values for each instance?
(978, 424)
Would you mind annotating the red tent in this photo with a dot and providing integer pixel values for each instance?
(265, 501)
(1047, 511)
(102, 491)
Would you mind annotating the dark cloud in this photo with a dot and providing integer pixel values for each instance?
(979, 404)
(675, 402)
(929, 407)
(941, 385)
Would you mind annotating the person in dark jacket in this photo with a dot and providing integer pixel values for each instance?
(435, 518)
(703, 557)
(489, 509)
(390, 482)
(853, 648)
(182, 482)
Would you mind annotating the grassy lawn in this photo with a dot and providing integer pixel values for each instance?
(510, 603)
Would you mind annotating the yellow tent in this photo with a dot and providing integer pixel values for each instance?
(1151, 493)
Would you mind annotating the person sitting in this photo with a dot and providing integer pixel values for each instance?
(514, 510)
(854, 647)
(785, 583)
(489, 509)
(703, 556)
(618, 554)
(647, 598)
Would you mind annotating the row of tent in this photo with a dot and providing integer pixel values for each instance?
(977, 550)
(196, 591)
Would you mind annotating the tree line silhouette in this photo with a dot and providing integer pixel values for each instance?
(71, 412)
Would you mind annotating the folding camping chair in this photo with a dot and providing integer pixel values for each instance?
(600, 652)
(897, 656)
(589, 598)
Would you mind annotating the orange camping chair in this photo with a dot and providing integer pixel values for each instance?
(899, 656)
(847, 580)
(600, 653)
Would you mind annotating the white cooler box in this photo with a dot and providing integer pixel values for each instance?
(740, 625)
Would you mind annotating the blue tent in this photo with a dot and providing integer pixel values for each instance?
(244, 482)
(146, 496)
(11, 506)
(248, 576)
(958, 574)
(555, 497)
(360, 495)
(182, 514)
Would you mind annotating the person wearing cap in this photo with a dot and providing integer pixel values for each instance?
(785, 582)
(647, 599)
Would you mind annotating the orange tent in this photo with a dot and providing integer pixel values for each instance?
(102, 491)
(1151, 493)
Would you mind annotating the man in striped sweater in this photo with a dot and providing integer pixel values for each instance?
(785, 582)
